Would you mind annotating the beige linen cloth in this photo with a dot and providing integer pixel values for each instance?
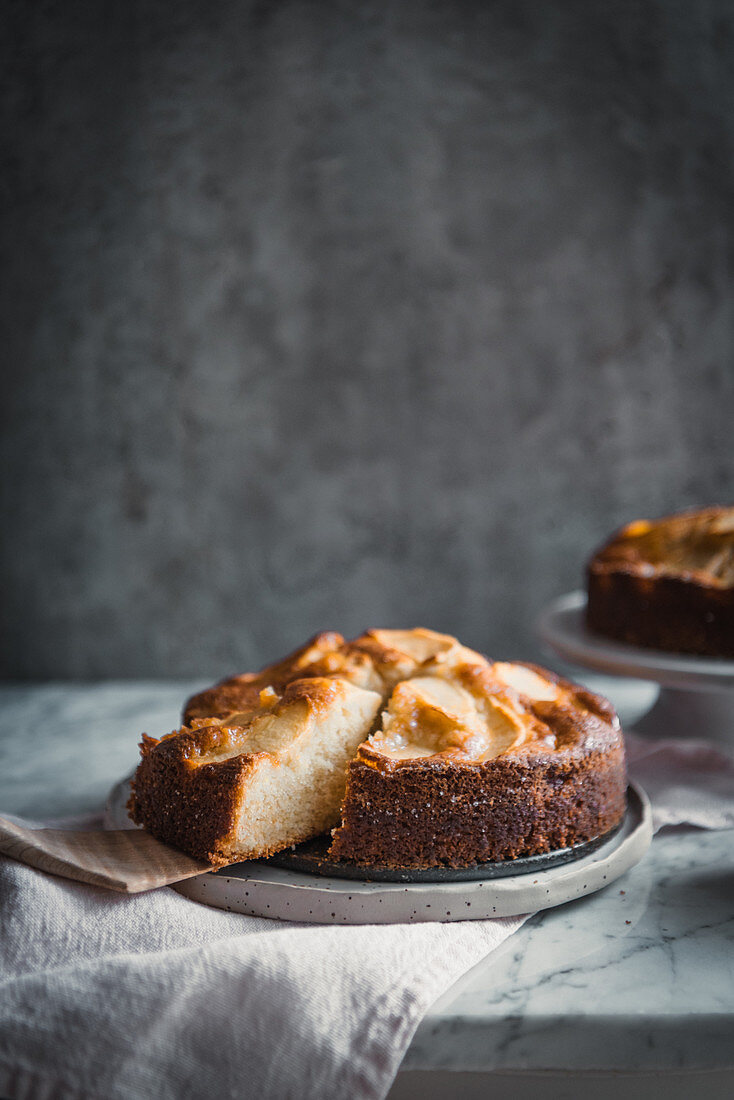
(128, 996)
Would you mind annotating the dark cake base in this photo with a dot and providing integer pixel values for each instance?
(433, 814)
(313, 858)
(676, 616)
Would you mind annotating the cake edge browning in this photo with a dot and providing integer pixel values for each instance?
(436, 814)
(192, 808)
(209, 799)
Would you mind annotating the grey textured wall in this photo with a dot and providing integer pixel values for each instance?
(343, 314)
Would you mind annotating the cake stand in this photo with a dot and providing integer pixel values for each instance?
(696, 697)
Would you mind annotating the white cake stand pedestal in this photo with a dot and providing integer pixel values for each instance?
(696, 693)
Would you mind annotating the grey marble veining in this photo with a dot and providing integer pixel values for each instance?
(637, 977)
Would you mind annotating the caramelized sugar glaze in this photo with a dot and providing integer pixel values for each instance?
(667, 584)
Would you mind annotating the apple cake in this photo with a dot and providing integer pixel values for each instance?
(419, 751)
(667, 584)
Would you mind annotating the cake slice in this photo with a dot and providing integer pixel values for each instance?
(480, 761)
(258, 781)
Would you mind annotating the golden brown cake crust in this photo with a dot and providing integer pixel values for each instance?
(547, 793)
(375, 660)
(240, 692)
(667, 584)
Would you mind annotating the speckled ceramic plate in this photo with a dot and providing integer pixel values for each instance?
(262, 890)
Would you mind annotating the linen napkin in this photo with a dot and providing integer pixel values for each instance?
(128, 860)
(152, 995)
(133, 996)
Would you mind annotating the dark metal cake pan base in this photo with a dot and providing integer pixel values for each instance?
(312, 857)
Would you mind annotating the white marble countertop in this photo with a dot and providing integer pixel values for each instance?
(639, 977)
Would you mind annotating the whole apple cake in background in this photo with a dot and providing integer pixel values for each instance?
(415, 750)
(667, 584)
